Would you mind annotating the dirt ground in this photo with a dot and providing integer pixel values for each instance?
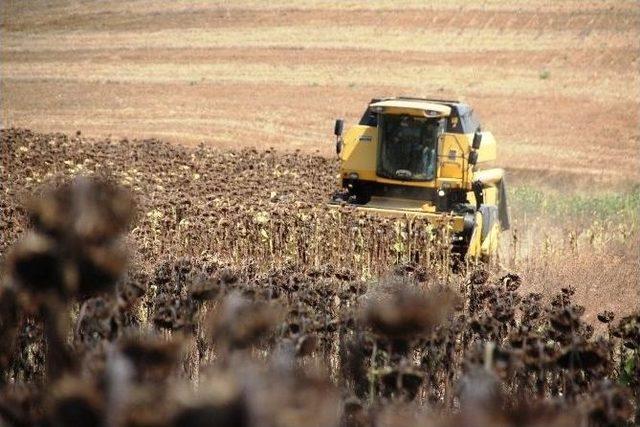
(557, 83)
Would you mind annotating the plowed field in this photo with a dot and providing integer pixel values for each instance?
(557, 83)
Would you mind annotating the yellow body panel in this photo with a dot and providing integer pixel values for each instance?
(359, 152)
(489, 194)
(453, 152)
(490, 244)
(488, 151)
(475, 244)
(489, 176)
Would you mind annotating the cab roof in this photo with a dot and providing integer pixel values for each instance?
(468, 123)
(415, 107)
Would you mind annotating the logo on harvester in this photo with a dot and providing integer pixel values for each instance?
(365, 138)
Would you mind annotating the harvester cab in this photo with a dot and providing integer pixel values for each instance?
(428, 158)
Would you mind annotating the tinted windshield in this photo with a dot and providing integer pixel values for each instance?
(407, 148)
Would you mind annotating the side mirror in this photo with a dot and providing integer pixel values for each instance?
(337, 129)
(477, 139)
(473, 158)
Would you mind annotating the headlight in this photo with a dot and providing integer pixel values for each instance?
(353, 176)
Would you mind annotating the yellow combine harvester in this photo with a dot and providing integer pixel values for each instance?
(425, 157)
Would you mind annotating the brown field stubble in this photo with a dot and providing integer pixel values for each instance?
(283, 313)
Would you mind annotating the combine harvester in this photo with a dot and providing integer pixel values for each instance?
(427, 158)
